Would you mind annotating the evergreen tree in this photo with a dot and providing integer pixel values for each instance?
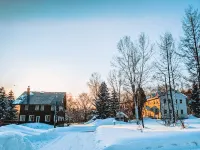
(11, 112)
(114, 104)
(195, 102)
(3, 104)
(11, 95)
(7, 109)
(103, 102)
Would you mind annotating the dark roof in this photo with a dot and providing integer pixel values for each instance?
(46, 98)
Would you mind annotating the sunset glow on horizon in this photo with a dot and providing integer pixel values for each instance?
(56, 46)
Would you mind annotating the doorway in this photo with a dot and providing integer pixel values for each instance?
(37, 119)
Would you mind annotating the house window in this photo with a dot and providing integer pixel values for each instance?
(52, 108)
(177, 111)
(181, 101)
(60, 118)
(42, 108)
(170, 111)
(164, 100)
(181, 111)
(22, 118)
(60, 108)
(31, 118)
(37, 107)
(165, 111)
(26, 107)
(176, 101)
(47, 118)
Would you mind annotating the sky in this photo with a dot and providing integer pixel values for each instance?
(56, 45)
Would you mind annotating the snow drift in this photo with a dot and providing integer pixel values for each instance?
(14, 141)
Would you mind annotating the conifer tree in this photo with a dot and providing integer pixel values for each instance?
(3, 104)
(7, 109)
(11, 95)
(103, 102)
(195, 102)
(114, 100)
(11, 112)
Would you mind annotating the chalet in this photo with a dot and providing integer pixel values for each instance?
(160, 106)
(43, 107)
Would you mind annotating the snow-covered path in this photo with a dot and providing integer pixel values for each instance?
(73, 141)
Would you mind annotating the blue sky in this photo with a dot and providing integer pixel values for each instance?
(56, 45)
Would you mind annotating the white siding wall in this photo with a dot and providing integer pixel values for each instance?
(177, 106)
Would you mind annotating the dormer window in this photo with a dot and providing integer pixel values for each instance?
(42, 108)
(26, 107)
(36, 107)
(52, 108)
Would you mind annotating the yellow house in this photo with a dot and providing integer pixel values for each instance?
(152, 108)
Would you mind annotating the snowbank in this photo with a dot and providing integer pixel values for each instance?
(24, 129)
(160, 141)
(108, 121)
(101, 134)
(154, 136)
(14, 141)
(38, 126)
(36, 133)
(192, 117)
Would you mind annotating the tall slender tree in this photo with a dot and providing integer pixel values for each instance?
(190, 43)
(94, 85)
(168, 66)
(195, 102)
(133, 62)
(3, 104)
(115, 81)
(114, 104)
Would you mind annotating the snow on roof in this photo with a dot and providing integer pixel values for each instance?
(121, 113)
(18, 101)
(41, 98)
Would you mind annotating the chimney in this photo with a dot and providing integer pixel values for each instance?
(28, 94)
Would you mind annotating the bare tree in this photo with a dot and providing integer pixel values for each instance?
(126, 104)
(115, 80)
(72, 113)
(84, 104)
(94, 84)
(132, 62)
(168, 66)
(146, 52)
(126, 62)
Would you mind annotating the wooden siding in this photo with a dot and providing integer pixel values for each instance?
(47, 111)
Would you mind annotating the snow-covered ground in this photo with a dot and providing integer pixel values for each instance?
(101, 135)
